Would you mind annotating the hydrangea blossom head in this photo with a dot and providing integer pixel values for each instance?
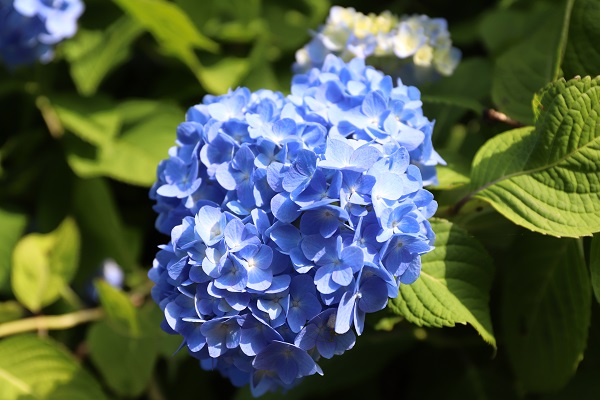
(290, 219)
(415, 48)
(29, 29)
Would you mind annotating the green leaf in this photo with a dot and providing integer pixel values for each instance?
(582, 55)
(125, 362)
(44, 264)
(173, 30)
(12, 225)
(547, 178)
(168, 23)
(94, 54)
(527, 67)
(455, 173)
(492, 26)
(465, 102)
(546, 311)
(34, 368)
(10, 311)
(472, 80)
(94, 120)
(131, 157)
(101, 226)
(454, 285)
(225, 74)
(595, 265)
(120, 311)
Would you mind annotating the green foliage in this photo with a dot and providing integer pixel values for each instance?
(81, 138)
(101, 226)
(528, 66)
(34, 368)
(595, 266)
(546, 303)
(582, 56)
(122, 315)
(454, 284)
(127, 139)
(94, 54)
(124, 348)
(12, 224)
(547, 178)
(44, 264)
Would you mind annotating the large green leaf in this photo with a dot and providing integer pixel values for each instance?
(34, 368)
(43, 264)
(454, 285)
(12, 224)
(546, 311)
(547, 178)
(595, 265)
(126, 362)
(582, 55)
(93, 54)
(529, 65)
(132, 155)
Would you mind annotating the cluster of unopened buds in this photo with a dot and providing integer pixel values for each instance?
(414, 48)
(29, 29)
(291, 218)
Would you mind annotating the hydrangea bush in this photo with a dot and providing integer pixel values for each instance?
(294, 234)
(291, 218)
(416, 48)
(29, 29)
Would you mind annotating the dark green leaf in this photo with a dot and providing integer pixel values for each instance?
(471, 82)
(595, 265)
(546, 311)
(125, 362)
(527, 67)
(454, 285)
(582, 55)
(101, 226)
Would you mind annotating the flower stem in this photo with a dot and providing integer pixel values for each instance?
(48, 322)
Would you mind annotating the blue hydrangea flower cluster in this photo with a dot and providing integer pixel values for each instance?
(29, 29)
(415, 48)
(290, 219)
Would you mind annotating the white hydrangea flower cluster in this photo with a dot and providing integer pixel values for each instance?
(414, 46)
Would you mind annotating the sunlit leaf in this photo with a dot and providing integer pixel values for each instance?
(34, 368)
(547, 178)
(454, 285)
(43, 264)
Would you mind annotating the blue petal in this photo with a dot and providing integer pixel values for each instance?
(283, 208)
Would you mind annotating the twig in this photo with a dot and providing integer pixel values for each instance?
(49, 322)
(498, 116)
